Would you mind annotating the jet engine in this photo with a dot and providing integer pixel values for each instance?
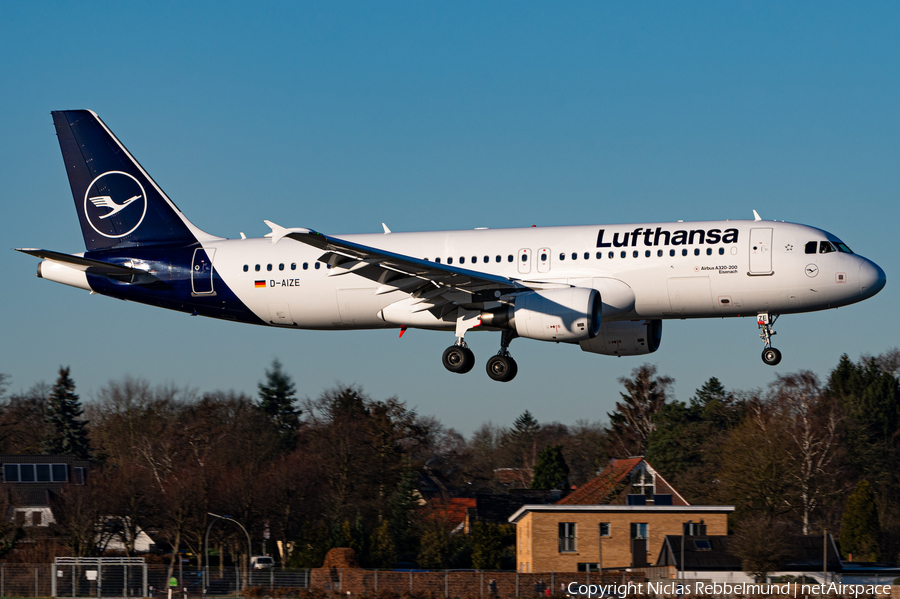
(625, 338)
(568, 315)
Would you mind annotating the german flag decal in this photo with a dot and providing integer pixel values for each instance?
(259, 284)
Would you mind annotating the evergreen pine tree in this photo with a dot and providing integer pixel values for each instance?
(860, 530)
(551, 470)
(276, 400)
(383, 552)
(402, 507)
(66, 431)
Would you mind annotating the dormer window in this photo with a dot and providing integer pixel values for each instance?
(643, 481)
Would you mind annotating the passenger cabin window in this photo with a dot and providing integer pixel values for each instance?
(256, 268)
(709, 251)
(305, 265)
(293, 266)
(612, 254)
(696, 251)
(498, 258)
(475, 260)
(647, 254)
(826, 248)
(684, 252)
(462, 259)
(634, 254)
(437, 260)
(317, 265)
(450, 260)
(811, 247)
(659, 253)
(721, 251)
(599, 255)
(281, 266)
(671, 252)
(624, 254)
(487, 259)
(268, 267)
(509, 258)
(562, 256)
(246, 267)
(544, 257)
(574, 256)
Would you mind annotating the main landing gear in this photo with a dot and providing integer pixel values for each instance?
(459, 358)
(502, 367)
(765, 321)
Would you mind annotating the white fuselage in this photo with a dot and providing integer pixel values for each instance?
(766, 269)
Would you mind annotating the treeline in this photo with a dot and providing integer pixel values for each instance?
(346, 470)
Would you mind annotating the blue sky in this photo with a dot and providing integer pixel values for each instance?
(341, 116)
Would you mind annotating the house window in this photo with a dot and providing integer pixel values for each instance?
(31, 473)
(78, 475)
(588, 567)
(566, 537)
(638, 530)
(604, 529)
(36, 518)
(642, 481)
(702, 545)
(694, 529)
(20, 519)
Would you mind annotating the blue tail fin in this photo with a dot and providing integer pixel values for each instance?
(118, 204)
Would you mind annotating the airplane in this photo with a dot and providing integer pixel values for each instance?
(605, 288)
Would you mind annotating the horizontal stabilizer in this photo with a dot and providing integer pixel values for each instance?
(80, 263)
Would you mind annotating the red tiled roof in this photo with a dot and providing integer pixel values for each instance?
(597, 490)
(454, 510)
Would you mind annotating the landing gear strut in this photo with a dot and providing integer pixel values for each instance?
(765, 321)
(502, 367)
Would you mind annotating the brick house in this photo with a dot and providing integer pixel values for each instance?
(617, 520)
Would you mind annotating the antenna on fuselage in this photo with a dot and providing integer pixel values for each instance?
(756, 215)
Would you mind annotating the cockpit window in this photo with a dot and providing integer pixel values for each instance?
(842, 247)
(825, 247)
(811, 247)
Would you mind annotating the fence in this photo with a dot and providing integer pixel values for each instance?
(137, 580)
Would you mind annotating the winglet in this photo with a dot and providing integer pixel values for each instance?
(386, 230)
(756, 215)
(279, 232)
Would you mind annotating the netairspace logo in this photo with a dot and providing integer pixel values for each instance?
(724, 588)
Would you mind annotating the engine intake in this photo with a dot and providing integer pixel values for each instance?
(570, 315)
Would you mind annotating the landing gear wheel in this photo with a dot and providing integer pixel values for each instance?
(502, 368)
(771, 356)
(458, 359)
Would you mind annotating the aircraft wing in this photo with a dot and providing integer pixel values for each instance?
(434, 284)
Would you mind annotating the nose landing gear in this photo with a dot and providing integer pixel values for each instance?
(765, 321)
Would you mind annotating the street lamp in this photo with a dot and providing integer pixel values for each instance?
(217, 517)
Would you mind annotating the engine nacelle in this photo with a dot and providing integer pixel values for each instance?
(568, 315)
(626, 338)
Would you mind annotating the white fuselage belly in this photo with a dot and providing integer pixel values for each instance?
(695, 285)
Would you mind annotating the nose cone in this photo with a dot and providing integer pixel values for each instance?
(871, 278)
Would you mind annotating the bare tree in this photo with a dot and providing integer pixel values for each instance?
(811, 422)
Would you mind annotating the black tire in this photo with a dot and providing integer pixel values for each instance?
(771, 356)
(458, 359)
(502, 368)
(469, 361)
